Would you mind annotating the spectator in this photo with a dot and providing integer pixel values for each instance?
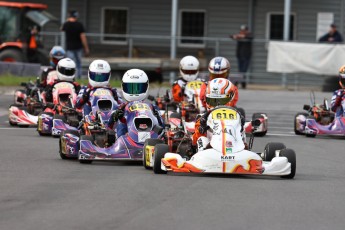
(333, 35)
(75, 40)
(244, 48)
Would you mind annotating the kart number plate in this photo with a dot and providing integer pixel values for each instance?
(101, 92)
(142, 136)
(224, 114)
(194, 84)
(139, 106)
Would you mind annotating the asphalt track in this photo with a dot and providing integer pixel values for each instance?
(38, 190)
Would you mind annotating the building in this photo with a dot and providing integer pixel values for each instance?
(146, 31)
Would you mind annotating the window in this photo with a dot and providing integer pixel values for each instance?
(114, 21)
(275, 26)
(192, 24)
(8, 24)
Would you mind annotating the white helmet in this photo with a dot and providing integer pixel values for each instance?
(219, 67)
(189, 68)
(66, 69)
(99, 73)
(135, 85)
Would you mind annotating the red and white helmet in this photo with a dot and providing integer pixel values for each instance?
(219, 67)
(219, 91)
(189, 68)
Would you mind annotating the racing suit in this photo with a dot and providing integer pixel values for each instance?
(338, 102)
(84, 95)
(177, 89)
(200, 124)
(120, 115)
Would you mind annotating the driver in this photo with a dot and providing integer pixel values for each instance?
(135, 86)
(337, 101)
(219, 91)
(55, 55)
(65, 73)
(219, 67)
(99, 75)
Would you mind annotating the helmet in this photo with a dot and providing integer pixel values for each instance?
(99, 73)
(189, 68)
(56, 54)
(66, 69)
(219, 91)
(219, 67)
(135, 85)
(342, 76)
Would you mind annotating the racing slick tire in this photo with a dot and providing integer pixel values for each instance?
(297, 132)
(74, 132)
(270, 150)
(291, 156)
(88, 138)
(160, 150)
(257, 116)
(149, 142)
(39, 132)
(242, 112)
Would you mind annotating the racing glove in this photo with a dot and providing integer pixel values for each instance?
(203, 125)
(86, 95)
(117, 114)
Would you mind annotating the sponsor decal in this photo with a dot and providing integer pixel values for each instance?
(101, 92)
(227, 158)
(228, 144)
(134, 77)
(139, 106)
(224, 114)
(228, 150)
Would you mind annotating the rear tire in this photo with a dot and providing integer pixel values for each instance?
(12, 55)
(76, 133)
(160, 150)
(291, 156)
(297, 132)
(86, 138)
(270, 150)
(149, 142)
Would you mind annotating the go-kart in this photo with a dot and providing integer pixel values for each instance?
(62, 108)
(318, 120)
(28, 103)
(223, 151)
(141, 125)
(94, 125)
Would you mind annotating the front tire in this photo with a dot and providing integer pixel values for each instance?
(149, 142)
(74, 132)
(291, 156)
(160, 151)
(297, 132)
(270, 150)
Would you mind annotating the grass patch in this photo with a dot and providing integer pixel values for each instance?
(11, 80)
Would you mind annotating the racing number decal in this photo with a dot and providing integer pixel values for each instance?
(224, 114)
(139, 106)
(194, 85)
(101, 92)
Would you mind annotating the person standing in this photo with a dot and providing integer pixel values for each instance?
(332, 35)
(75, 40)
(244, 48)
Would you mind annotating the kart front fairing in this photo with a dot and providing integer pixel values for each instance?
(140, 123)
(21, 117)
(337, 127)
(226, 153)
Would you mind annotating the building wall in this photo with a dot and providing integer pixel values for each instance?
(223, 17)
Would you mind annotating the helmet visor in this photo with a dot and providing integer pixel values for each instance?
(134, 88)
(211, 101)
(189, 71)
(66, 71)
(99, 77)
